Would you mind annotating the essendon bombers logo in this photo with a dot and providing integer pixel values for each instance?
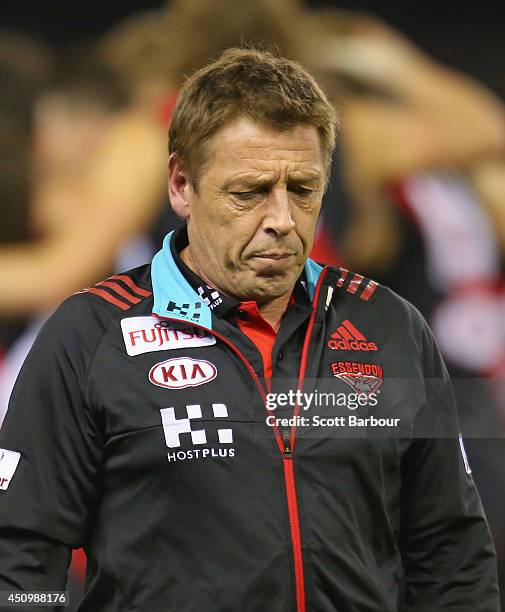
(361, 377)
(349, 338)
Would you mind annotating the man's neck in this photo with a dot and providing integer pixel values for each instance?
(274, 310)
(271, 311)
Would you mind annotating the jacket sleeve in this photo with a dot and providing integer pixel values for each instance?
(46, 502)
(447, 549)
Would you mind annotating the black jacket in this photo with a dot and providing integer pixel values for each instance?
(144, 439)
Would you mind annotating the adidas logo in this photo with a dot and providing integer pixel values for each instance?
(349, 338)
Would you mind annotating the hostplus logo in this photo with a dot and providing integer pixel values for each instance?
(210, 296)
(349, 338)
(184, 311)
(182, 430)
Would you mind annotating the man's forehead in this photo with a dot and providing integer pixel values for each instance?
(283, 173)
(254, 147)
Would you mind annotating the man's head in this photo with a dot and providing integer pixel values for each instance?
(250, 145)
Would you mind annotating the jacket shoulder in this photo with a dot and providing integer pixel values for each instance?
(122, 291)
(386, 302)
(86, 316)
(356, 285)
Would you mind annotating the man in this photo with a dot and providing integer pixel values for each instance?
(142, 424)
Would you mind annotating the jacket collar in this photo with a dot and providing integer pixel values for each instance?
(177, 298)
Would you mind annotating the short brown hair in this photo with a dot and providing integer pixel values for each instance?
(253, 84)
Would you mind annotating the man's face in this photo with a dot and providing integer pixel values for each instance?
(251, 225)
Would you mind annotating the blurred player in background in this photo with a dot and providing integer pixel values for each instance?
(25, 71)
(89, 191)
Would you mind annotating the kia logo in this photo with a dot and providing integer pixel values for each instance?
(182, 372)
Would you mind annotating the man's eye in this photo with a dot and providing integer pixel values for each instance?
(302, 191)
(245, 195)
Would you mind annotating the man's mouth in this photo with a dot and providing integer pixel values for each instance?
(277, 256)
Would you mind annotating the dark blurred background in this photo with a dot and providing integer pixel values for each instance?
(468, 35)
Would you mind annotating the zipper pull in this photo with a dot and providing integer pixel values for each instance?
(287, 445)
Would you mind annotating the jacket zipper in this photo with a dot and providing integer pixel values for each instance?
(294, 522)
(286, 443)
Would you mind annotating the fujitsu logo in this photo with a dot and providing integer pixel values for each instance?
(162, 335)
(182, 372)
(149, 334)
(349, 338)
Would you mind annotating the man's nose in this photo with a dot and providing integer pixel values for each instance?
(278, 218)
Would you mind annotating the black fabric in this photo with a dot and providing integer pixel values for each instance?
(175, 523)
(10, 331)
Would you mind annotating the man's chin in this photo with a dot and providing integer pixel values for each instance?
(265, 283)
(267, 288)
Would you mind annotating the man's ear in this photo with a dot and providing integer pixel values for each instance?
(178, 187)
